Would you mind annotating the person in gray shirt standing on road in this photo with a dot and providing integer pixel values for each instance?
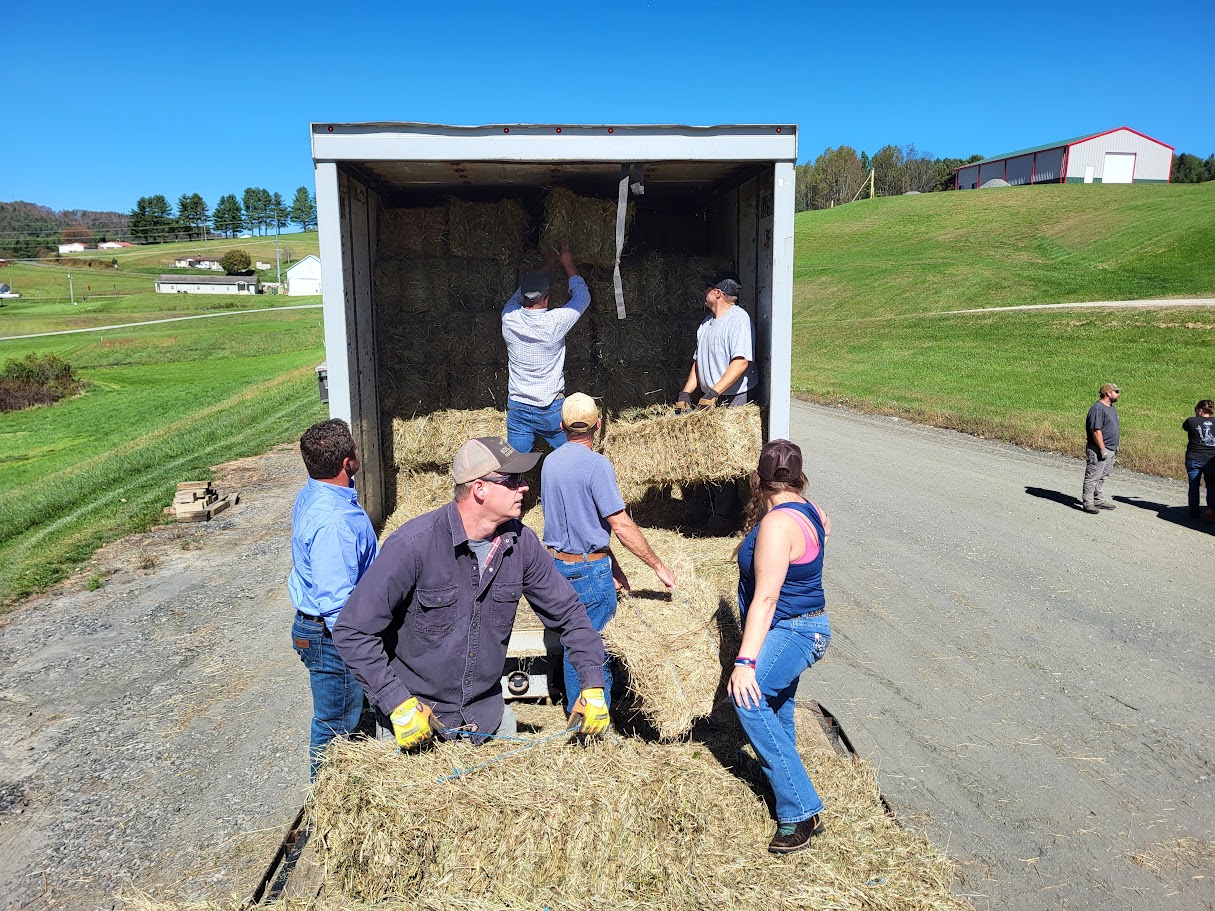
(1101, 432)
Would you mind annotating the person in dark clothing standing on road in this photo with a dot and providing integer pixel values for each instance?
(1101, 443)
(1200, 454)
(332, 545)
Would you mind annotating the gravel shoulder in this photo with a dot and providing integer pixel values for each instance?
(1034, 683)
(153, 733)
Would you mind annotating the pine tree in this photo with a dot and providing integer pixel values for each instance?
(303, 209)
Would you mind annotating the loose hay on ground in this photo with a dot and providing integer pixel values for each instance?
(657, 448)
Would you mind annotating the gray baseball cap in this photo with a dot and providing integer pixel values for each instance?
(484, 455)
(534, 285)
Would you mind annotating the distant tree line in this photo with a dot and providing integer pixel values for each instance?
(1189, 168)
(28, 230)
(258, 211)
(838, 174)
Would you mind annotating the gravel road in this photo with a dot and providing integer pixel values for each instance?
(1034, 683)
(1030, 681)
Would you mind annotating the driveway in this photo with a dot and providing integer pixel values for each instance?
(1034, 683)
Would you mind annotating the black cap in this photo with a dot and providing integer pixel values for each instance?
(534, 285)
(726, 281)
(780, 460)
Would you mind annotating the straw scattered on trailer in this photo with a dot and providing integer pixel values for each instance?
(588, 225)
(655, 447)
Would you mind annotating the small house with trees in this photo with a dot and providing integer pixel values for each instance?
(304, 277)
(207, 284)
(72, 248)
(199, 262)
(1120, 155)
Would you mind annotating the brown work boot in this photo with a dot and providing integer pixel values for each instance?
(795, 836)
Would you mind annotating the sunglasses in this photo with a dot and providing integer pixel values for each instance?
(511, 481)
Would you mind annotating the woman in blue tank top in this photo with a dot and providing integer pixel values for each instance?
(785, 630)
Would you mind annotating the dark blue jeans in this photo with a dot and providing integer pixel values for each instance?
(791, 647)
(1196, 470)
(526, 422)
(337, 698)
(597, 592)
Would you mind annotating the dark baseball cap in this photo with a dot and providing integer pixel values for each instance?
(726, 281)
(534, 285)
(780, 460)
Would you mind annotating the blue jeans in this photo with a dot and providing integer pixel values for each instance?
(596, 590)
(790, 647)
(1196, 469)
(337, 698)
(526, 422)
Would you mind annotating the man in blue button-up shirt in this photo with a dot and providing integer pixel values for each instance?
(332, 545)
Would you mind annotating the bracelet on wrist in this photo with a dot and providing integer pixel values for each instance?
(742, 661)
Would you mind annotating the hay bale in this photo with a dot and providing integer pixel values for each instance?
(479, 284)
(658, 447)
(486, 230)
(480, 386)
(430, 442)
(411, 286)
(671, 643)
(410, 389)
(587, 225)
(417, 492)
(618, 824)
(414, 232)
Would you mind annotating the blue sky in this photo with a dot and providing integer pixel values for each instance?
(104, 104)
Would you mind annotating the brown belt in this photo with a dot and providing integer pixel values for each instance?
(578, 558)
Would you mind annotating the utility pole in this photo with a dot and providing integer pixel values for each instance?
(872, 172)
(71, 291)
(278, 263)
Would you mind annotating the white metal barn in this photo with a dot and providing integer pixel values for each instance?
(1120, 155)
(304, 277)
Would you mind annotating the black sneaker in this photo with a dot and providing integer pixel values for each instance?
(1089, 508)
(795, 836)
(1104, 505)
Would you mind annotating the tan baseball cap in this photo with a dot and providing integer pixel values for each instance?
(1107, 388)
(484, 455)
(579, 412)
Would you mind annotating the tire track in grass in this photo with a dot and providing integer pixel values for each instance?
(142, 492)
(58, 490)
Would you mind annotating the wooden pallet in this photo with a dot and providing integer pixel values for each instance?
(199, 501)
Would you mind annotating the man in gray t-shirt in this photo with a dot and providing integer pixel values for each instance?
(1101, 442)
(582, 507)
(723, 369)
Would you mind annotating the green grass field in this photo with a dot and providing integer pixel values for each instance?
(164, 403)
(870, 276)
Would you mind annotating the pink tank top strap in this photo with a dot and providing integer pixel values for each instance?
(811, 536)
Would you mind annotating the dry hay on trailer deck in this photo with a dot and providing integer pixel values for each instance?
(416, 232)
(654, 447)
(486, 230)
(588, 225)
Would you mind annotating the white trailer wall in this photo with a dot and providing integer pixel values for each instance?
(1153, 160)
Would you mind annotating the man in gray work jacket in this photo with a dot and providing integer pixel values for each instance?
(425, 631)
(1102, 436)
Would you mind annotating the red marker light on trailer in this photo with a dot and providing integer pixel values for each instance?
(558, 129)
(506, 129)
(778, 129)
(330, 129)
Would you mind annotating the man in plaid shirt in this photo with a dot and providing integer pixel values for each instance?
(535, 347)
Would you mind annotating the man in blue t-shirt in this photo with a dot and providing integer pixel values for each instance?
(582, 507)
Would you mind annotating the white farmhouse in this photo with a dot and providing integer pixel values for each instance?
(72, 248)
(304, 277)
(1120, 155)
(207, 284)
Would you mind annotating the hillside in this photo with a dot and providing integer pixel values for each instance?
(869, 276)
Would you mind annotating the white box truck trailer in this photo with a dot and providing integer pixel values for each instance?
(720, 192)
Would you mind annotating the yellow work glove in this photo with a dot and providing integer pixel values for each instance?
(411, 722)
(590, 713)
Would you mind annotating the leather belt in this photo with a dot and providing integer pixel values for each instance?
(577, 558)
(309, 617)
